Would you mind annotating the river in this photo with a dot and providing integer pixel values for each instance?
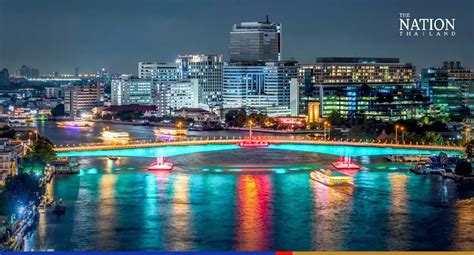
(248, 200)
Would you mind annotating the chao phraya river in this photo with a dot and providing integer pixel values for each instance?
(248, 200)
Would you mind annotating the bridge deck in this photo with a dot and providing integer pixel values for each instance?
(272, 140)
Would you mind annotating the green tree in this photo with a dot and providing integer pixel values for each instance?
(335, 118)
(42, 149)
(236, 118)
(58, 110)
(469, 149)
(463, 168)
(432, 138)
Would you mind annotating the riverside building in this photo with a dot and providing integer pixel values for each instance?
(207, 69)
(381, 88)
(262, 86)
(82, 97)
(450, 88)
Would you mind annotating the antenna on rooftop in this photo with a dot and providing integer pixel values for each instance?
(268, 21)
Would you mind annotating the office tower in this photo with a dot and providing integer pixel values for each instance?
(450, 88)
(176, 95)
(255, 41)
(381, 88)
(103, 73)
(132, 90)
(162, 72)
(76, 72)
(207, 69)
(4, 77)
(264, 86)
(82, 97)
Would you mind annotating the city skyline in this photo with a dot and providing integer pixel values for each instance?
(58, 40)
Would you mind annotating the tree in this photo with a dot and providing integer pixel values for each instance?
(463, 168)
(469, 150)
(335, 118)
(129, 115)
(432, 138)
(58, 110)
(236, 118)
(7, 132)
(42, 149)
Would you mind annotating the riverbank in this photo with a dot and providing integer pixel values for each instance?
(272, 131)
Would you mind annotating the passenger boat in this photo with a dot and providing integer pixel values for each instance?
(331, 178)
(253, 144)
(74, 124)
(161, 165)
(172, 131)
(111, 135)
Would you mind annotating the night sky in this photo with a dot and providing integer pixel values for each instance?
(57, 35)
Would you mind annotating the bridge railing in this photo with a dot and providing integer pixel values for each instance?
(235, 139)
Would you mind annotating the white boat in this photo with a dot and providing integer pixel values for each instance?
(173, 132)
(345, 163)
(111, 135)
(331, 178)
(161, 165)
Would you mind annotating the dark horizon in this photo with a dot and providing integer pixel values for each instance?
(58, 35)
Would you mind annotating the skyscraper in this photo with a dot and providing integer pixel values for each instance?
(162, 72)
(263, 86)
(132, 90)
(4, 77)
(28, 72)
(207, 69)
(451, 89)
(255, 41)
(76, 72)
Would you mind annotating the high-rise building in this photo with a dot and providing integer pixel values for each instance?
(255, 41)
(264, 86)
(132, 90)
(207, 69)
(76, 72)
(381, 88)
(4, 77)
(450, 88)
(54, 92)
(82, 97)
(28, 72)
(162, 72)
(176, 95)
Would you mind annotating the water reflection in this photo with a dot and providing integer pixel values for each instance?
(179, 237)
(465, 225)
(106, 218)
(399, 226)
(330, 215)
(253, 226)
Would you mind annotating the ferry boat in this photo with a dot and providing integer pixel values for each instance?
(253, 144)
(172, 131)
(74, 124)
(345, 163)
(111, 135)
(331, 178)
(161, 165)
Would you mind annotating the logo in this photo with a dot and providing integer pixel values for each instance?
(426, 27)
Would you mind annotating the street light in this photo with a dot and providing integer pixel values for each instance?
(250, 123)
(403, 137)
(326, 126)
(396, 134)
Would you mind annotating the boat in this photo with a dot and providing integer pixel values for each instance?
(408, 158)
(111, 135)
(59, 208)
(253, 144)
(113, 158)
(74, 124)
(161, 165)
(345, 163)
(331, 178)
(172, 131)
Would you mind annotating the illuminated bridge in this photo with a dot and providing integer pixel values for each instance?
(152, 148)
